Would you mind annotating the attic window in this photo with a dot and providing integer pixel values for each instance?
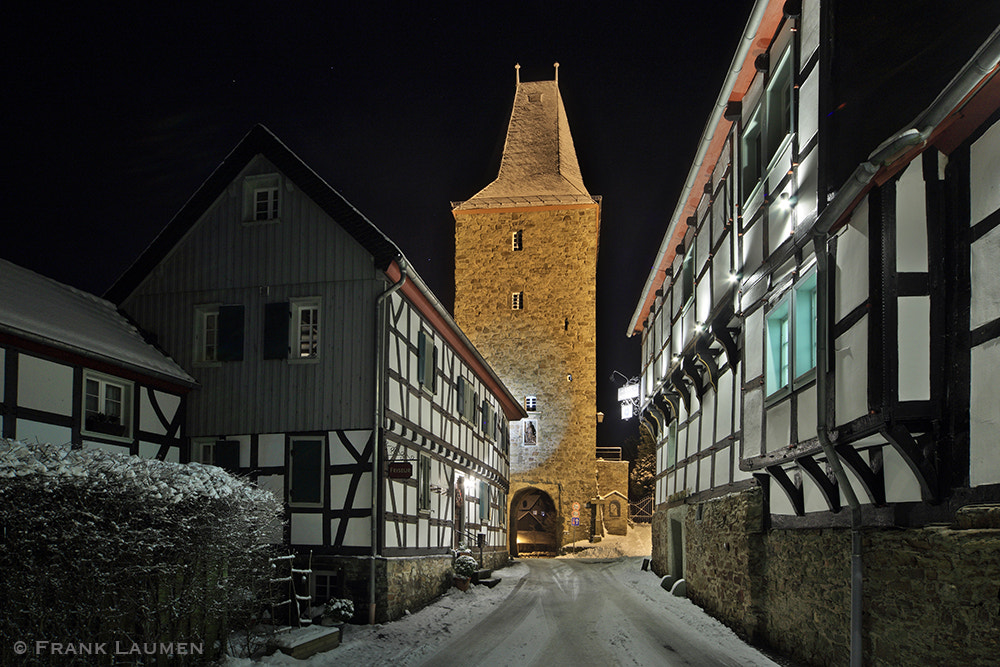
(534, 97)
(262, 198)
(516, 240)
(517, 300)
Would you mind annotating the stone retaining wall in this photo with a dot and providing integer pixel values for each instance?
(931, 595)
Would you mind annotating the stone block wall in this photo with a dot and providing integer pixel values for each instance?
(414, 582)
(724, 554)
(931, 595)
(547, 349)
(612, 476)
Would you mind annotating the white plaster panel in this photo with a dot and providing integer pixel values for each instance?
(808, 175)
(707, 420)
(911, 220)
(148, 450)
(851, 368)
(780, 504)
(702, 249)
(307, 528)
(395, 403)
(31, 431)
(753, 248)
(984, 166)
(705, 473)
(808, 107)
(724, 416)
(851, 287)
(723, 466)
(739, 475)
(810, 30)
(856, 486)
(737, 392)
(173, 455)
(721, 269)
(812, 496)
(753, 344)
(703, 299)
(806, 423)
(753, 405)
(900, 484)
(273, 483)
(168, 404)
(779, 426)
(44, 385)
(914, 341)
(411, 534)
(984, 414)
(682, 438)
(779, 222)
(411, 497)
(271, 449)
(390, 532)
(985, 269)
(340, 455)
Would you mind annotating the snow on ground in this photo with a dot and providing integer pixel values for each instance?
(414, 638)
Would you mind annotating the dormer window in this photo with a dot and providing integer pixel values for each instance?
(517, 300)
(265, 204)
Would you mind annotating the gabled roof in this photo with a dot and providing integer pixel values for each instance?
(539, 165)
(259, 141)
(40, 310)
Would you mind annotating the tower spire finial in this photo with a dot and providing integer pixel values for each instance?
(517, 72)
(556, 65)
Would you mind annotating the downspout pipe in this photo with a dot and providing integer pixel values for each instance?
(380, 326)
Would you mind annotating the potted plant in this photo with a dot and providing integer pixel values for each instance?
(465, 566)
(338, 611)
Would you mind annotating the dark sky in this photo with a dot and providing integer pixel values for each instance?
(114, 117)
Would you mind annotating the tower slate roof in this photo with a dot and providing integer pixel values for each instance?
(539, 165)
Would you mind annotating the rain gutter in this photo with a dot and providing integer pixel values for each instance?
(746, 42)
(380, 326)
(881, 159)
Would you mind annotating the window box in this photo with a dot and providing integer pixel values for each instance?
(105, 425)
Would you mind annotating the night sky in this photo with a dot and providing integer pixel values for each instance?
(114, 117)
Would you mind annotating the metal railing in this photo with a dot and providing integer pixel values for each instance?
(609, 453)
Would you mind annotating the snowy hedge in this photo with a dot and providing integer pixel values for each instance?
(103, 547)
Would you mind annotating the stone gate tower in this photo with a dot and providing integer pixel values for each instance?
(525, 291)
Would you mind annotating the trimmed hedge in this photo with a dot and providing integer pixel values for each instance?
(107, 548)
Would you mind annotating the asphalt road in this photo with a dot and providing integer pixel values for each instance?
(573, 612)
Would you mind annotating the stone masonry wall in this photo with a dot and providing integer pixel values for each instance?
(547, 349)
(612, 476)
(931, 595)
(724, 540)
(414, 582)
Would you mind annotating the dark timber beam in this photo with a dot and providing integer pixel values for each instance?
(825, 480)
(921, 459)
(792, 488)
(871, 474)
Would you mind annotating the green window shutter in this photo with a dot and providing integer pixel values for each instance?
(276, 330)
(226, 454)
(434, 365)
(484, 501)
(461, 396)
(230, 333)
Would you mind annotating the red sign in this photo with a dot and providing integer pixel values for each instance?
(400, 470)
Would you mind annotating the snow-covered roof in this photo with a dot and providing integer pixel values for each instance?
(539, 165)
(41, 310)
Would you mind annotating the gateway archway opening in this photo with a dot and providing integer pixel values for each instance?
(533, 524)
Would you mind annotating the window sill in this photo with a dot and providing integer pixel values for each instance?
(306, 361)
(777, 396)
(207, 364)
(124, 438)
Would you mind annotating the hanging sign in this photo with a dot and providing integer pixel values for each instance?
(400, 470)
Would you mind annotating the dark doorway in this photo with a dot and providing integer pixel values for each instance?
(533, 524)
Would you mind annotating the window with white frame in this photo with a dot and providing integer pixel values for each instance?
(531, 403)
(305, 328)
(790, 353)
(206, 333)
(767, 127)
(778, 334)
(517, 240)
(261, 198)
(517, 300)
(107, 405)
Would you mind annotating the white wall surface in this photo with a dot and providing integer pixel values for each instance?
(985, 168)
(44, 385)
(984, 415)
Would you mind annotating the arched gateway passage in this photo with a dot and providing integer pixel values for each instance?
(533, 524)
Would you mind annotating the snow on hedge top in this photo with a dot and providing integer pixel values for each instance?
(41, 309)
(95, 468)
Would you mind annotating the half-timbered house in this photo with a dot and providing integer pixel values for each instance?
(330, 373)
(73, 370)
(821, 333)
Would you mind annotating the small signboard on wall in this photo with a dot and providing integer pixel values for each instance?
(400, 470)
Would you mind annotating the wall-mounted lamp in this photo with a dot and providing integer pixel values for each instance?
(734, 277)
(787, 201)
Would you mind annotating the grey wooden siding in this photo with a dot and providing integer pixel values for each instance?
(221, 260)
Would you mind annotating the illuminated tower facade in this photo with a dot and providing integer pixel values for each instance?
(525, 291)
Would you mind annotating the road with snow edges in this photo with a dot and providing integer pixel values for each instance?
(576, 612)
